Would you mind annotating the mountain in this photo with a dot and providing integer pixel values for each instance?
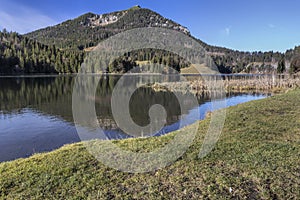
(89, 29)
(74, 38)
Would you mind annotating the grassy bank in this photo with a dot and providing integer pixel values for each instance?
(257, 157)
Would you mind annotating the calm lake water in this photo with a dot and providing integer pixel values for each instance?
(36, 112)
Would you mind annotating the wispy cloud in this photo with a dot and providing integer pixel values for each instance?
(271, 26)
(22, 19)
(226, 31)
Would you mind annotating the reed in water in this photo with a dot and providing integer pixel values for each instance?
(243, 84)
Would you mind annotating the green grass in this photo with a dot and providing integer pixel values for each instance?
(257, 156)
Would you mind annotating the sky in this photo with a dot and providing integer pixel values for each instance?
(247, 25)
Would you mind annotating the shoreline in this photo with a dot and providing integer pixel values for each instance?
(123, 139)
(121, 74)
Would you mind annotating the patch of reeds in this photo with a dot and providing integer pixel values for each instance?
(204, 86)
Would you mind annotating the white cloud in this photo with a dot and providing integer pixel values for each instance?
(22, 19)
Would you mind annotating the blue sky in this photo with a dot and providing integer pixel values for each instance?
(250, 25)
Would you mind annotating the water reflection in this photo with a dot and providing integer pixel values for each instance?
(36, 112)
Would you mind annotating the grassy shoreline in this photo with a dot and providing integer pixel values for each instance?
(257, 157)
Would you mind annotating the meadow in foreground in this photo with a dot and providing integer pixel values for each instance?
(257, 157)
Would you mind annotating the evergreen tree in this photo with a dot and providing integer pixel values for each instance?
(281, 66)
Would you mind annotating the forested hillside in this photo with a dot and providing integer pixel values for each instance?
(19, 54)
(61, 48)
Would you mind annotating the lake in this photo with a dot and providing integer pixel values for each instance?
(36, 112)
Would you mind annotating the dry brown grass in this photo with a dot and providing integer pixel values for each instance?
(272, 84)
